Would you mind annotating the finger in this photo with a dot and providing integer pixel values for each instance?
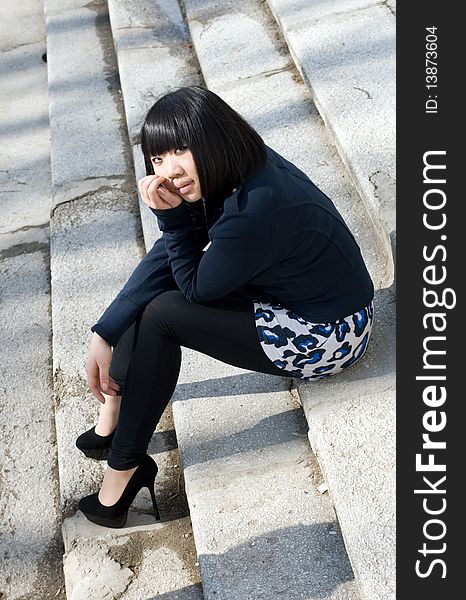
(97, 393)
(171, 199)
(95, 389)
(104, 378)
(154, 185)
(93, 382)
(149, 193)
(157, 195)
(143, 183)
(116, 386)
(146, 181)
(114, 389)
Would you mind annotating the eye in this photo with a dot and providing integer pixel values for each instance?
(156, 160)
(181, 148)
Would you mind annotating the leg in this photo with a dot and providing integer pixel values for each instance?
(224, 329)
(108, 415)
(109, 412)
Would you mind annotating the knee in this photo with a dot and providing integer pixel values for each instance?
(161, 309)
(164, 301)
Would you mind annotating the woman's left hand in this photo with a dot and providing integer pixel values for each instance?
(155, 196)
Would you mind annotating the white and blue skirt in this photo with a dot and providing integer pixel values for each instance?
(310, 350)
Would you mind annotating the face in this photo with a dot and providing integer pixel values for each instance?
(178, 166)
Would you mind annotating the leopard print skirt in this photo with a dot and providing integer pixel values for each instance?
(309, 350)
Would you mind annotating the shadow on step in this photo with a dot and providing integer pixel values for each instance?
(294, 562)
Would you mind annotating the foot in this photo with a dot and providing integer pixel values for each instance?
(113, 485)
(108, 416)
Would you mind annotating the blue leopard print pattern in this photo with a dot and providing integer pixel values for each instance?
(312, 350)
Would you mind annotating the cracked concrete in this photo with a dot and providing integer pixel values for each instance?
(335, 49)
(385, 192)
(368, 95)
(90, 230)
(23, 248)
(28, 505)
(31, 547)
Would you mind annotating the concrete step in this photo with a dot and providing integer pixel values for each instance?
(345, 52)
(96, 241)
(352, 430)
(31, 547)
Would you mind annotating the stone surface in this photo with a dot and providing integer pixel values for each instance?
(348, 61)
(88, 136)
(296, 13)
(352, 429)
(146, 75)
(223, 46)
(86, 237)
(29, 516)
(153, 22)
(30, 543)
(154, 55)
(143, 560)
(262, 529)
(24, 128)
(392, 5)
(22, 24)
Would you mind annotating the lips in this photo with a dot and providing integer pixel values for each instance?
(184, 187)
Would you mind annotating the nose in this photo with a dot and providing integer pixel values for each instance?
(173, 167)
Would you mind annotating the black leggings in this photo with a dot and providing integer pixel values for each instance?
(146, 362)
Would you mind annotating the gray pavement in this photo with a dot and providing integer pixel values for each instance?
(31, 547)
(352, 430)
(262, 528)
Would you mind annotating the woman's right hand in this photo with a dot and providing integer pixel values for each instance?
(98, 364)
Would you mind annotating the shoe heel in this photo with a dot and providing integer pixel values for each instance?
(154, 502)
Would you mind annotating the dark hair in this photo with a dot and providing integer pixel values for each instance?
(227, 151)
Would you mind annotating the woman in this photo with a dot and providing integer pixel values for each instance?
(255, 267)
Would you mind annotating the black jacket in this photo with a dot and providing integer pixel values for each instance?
(277, 237)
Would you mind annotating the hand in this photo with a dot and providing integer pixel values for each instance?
(158, 197)
(98, 363)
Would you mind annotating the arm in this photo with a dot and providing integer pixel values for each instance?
(150, 278)
(239, 245)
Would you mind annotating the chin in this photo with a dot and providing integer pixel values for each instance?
(192, 197)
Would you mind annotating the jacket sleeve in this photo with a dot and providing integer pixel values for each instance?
(150, 278)
(239, 244)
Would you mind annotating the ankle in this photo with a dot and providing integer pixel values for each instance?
(108, 416)
(104, 429)
(113, 485)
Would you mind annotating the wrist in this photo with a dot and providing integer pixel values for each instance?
(96, 336)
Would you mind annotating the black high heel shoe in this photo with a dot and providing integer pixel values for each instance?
(94, 445)
(115, 515)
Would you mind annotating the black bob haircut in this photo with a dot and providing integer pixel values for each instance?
(227, 151)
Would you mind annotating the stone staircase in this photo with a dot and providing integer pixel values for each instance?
(244, 514)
